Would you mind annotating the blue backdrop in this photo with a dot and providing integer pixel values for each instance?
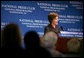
(32, 15)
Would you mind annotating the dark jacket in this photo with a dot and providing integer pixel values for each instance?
(50, 28)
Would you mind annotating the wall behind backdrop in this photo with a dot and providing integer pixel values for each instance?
(32, 15)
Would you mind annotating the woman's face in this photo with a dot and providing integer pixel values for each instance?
(55, 21)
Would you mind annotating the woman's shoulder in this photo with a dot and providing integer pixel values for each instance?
(48, 26)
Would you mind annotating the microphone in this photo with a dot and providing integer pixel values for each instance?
(62, 28)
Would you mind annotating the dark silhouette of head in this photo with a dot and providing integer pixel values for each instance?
(32, 45)
(32, 40)
(11, 36)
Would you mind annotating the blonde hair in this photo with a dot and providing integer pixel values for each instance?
(73, 45)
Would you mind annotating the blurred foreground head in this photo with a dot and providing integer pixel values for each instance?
(73, 45)
(49, 40)
(11, 36)
(31, 39)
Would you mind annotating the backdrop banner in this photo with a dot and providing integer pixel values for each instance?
(33, 15)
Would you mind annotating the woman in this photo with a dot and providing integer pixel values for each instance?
(53, 19)
(61, 42)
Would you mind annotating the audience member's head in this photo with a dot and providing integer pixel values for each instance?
(73, 45)
(49, 40)
(11, 36)
(32, 44)
(31, 39)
